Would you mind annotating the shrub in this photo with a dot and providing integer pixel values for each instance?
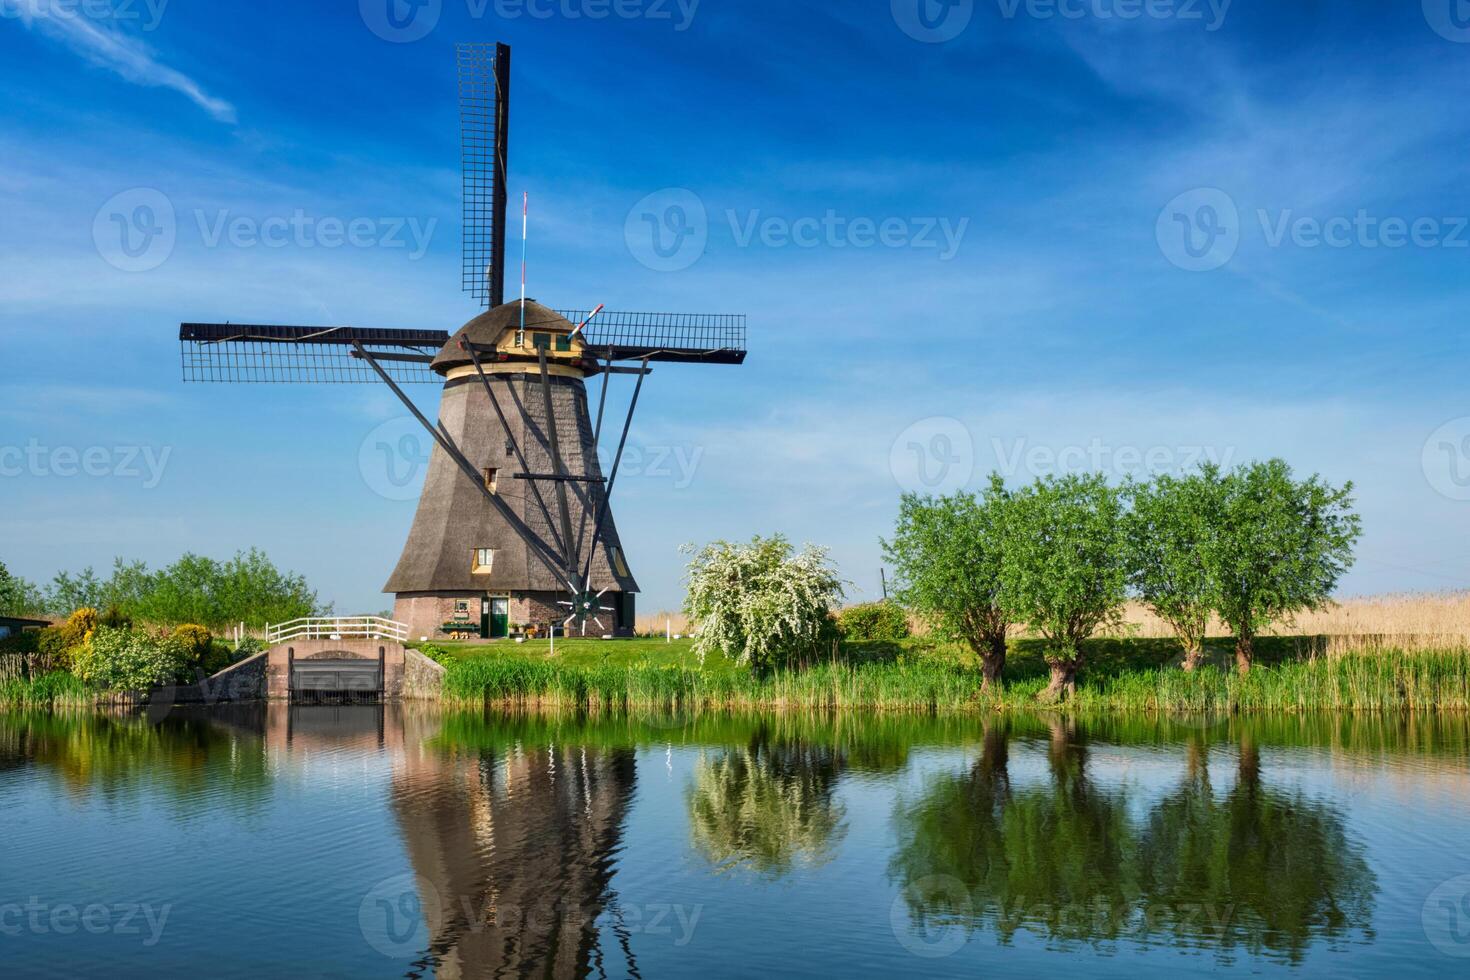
(435, 653)
(761, 603)
(58, 645)
(874, 621)
(130, 660)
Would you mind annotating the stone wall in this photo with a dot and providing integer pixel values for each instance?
(422, 677)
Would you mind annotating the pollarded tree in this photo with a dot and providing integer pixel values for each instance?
(1064, 567)
(947, 555)
(761, 603)
(1172, 525)
(1281, 548)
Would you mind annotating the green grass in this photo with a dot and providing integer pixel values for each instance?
(1127, 675)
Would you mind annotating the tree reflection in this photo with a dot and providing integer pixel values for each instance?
(1256, 868)
(1273, 870)
(766, 806)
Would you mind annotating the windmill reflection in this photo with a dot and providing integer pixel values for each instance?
(519, 844)
(1256, 868)
(766, 806)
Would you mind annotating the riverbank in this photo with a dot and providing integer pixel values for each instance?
(1129, 675)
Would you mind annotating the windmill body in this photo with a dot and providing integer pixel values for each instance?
(463, 566)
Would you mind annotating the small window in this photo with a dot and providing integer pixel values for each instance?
(483, 562)
(461, 609)
(563, 342)
(492, 479)
(619, 565)
(541, 340)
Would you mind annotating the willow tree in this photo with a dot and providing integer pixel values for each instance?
(946, 552)
(1172, 523)
(1064, 567)
(1281, 546)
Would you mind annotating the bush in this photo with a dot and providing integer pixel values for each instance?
(435, 653)
(761, 603)
(58, 645)
(130, 660)
(874, 621)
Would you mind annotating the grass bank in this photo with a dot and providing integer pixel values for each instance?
(1128, 675)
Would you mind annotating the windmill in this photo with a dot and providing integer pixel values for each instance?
(514, 523)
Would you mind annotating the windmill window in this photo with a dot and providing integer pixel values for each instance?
(619, 565)
(563, 342)
(541, 340)
(492, 479)
(483, 562)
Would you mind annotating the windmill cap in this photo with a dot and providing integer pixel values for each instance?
(486, 329)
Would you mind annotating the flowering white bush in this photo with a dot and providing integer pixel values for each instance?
(761, 603)
(130, 659)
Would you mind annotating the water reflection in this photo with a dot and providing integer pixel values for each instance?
(766, 806)
(1254, 867)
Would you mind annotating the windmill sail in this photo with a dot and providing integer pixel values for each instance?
(484, 125)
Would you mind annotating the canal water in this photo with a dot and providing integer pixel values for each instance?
(372, 841)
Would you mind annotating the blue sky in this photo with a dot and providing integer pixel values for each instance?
(1020, 235)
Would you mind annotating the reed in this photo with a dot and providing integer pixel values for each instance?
(48, 690)
(1378, 681)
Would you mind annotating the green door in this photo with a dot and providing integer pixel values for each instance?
(499, 618)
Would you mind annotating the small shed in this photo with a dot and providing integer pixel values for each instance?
(10, 625)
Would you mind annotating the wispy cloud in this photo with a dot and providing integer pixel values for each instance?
(114, 50)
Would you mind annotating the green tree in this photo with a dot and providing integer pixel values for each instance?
(68, 593)
(1173, 522)
(19, 597)
(1281, 546)
(947, 553)
(761, 603)
(1064, 566)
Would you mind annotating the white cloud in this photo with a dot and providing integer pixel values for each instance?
(111, 49)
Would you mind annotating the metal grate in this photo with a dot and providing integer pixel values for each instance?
(253, 353)
(711, 337)
(484, 110)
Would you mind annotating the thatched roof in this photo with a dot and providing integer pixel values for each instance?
(487, 328)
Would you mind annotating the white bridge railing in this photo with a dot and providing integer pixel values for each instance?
(338, 628)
